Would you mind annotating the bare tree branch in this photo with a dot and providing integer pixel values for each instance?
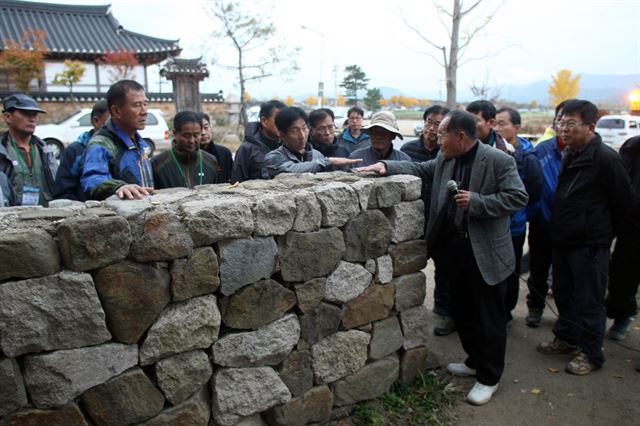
(463, 13)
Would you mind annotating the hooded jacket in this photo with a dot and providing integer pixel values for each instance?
(249, 160)
(351, 144)
(67, 183)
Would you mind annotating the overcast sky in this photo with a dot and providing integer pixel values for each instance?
(529, 40)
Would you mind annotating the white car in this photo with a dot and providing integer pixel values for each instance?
(616, 129)
(58, 136)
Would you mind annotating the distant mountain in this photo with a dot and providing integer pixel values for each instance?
(594, 87)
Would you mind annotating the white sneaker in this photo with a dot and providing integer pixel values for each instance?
(461, 370)
(481, 394)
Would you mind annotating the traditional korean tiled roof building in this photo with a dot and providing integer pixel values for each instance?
(84, 33)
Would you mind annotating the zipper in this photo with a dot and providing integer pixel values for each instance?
(566, 194)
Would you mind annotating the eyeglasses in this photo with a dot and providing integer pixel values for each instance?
(323, 129)
(355, 118)
(430, 123)
(568, 124)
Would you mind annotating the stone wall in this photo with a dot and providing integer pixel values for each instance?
(282, 302)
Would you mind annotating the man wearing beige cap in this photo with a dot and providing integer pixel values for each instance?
(23, 157)
(382, 129)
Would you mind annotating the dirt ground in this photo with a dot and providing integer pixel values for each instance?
(531, 394)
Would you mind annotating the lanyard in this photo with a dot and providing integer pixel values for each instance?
(23, 165)
(201, 175)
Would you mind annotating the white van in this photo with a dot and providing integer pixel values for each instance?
(616, 129)
(59, 135)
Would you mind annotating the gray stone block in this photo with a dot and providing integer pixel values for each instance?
(310, 294)
(12, 392)
(196, 411)
(366, 236)
(55, 378)
(274, 214)
(196, 276)
(163, 238)
(257, 304)
(338, 202)
(246, 261)
(384, 269)
(217, 218)
(181, 375)
(91, 243)
(321, 322)
(308, 212)
(296, 372)
(407, 220)
(386, 338)
(339, 355)
(183, 326)
(269, 345)
(375, 303)
(368, 383)
(411, 290)
(27, 253)
(242, 392)
(318, 251)
(312, 407)
(347, 282)
(61, 311)
(415, 326)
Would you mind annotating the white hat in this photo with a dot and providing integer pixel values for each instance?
(386, 120)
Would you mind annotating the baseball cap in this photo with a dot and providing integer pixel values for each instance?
(21, 101)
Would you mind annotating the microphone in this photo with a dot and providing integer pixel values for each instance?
(452, 186)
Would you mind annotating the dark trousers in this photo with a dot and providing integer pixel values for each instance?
(478, 311)
(624, 277)
(579, 286)
(540, 249)
(513, 282)
(441, 298)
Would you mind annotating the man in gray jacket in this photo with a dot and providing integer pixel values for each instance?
(296, 155)
(475, 189)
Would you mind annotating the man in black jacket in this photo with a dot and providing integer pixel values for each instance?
(259, 138)
(321, 135)
(592, 204)
(222, 153)
(624, 276)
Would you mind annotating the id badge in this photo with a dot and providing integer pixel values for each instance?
(30, 196)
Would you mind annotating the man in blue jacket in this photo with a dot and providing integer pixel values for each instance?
(549, 153)
(117, 159)
(508, 122)
(353, 138)
(67, 184)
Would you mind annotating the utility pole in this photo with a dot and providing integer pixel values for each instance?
(320, 82)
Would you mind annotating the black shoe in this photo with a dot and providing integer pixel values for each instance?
(445, 327)
(534, 318)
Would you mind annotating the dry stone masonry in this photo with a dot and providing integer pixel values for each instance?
(280, 302)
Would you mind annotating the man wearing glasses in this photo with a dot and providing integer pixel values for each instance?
(592, 204)
(296, 155)
(353, 138)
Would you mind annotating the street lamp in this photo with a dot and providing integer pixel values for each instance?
(320, 83)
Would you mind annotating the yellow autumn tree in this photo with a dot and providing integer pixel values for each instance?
(564, 86)
(342, 101)
(384, 102)
(72, 74)
(247, 96)
(289, 101)
(311, 101)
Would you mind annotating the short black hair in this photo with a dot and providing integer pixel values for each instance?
(184, 117)
(267, 108)
(204, 116)
(287, 116)
(462, 120)
(320, 114)
(588, 111)
(560, 107)
(99, 108)
(486, 108)
(514, 116)
(117, 93)
(356, 110)
(435, 109)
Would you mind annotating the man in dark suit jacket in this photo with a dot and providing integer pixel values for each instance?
(469, 225)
